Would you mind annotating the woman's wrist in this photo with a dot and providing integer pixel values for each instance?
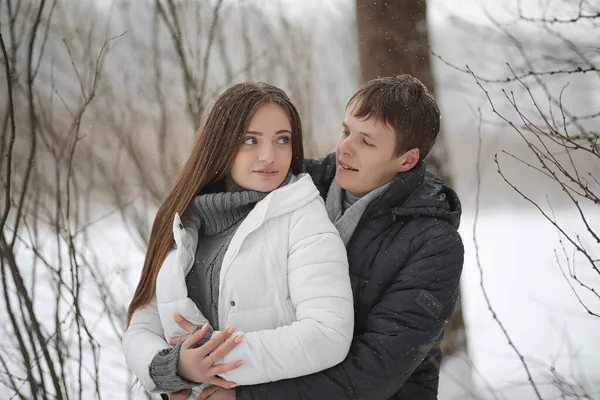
(164, 371)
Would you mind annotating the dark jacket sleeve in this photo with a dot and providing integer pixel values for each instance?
(400, 329)
(322, 172)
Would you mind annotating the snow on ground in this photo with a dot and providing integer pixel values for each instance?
(533, 302)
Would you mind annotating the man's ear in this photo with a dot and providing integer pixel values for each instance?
(408, 160)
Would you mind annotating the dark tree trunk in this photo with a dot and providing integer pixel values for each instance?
(393, 39)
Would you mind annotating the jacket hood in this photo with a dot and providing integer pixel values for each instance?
(420, 193)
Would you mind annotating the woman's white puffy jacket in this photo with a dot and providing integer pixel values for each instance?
(284, 283)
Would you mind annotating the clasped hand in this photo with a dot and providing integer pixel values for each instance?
(196, 364)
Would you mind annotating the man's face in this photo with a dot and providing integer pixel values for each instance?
(366, 155)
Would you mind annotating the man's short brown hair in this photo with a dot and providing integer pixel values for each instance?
(405, 105)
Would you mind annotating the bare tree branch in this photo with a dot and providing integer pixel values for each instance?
(13, 132)
(481, 281)
(554, 20)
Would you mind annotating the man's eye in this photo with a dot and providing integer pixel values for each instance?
(284, 140)
(249, 140)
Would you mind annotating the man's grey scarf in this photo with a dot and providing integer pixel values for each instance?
(346, 221)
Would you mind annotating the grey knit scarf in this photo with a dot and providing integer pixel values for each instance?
(220, 211)
(346, 221)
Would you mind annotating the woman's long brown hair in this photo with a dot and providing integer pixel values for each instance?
(214, 151)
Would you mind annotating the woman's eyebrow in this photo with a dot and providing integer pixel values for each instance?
(279, 132)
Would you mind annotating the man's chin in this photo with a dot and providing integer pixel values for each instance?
(342, 182)
(346, 184)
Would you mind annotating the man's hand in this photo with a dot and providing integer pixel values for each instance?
(181, 395)
(184, 324)
(196, 364)
(216, 393)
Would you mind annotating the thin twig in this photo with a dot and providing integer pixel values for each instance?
(478, 260)
(13, 133)
(513, 78)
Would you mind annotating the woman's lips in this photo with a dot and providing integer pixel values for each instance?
(266, 172)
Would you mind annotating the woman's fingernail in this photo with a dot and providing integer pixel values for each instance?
(231, 330)
(238, 338)
(239, 363)
(232, 386)
(177, 317)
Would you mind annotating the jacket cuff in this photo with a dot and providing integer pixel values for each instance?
(163, 371)
(207, 337)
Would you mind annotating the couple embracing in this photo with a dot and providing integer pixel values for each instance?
(268, 276)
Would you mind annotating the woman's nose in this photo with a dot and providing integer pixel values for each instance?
(266, 154)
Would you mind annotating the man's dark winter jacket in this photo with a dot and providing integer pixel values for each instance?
(406, 258)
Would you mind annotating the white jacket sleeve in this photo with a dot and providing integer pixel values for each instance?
(142, 340)
(319, 287)
(172, 293)
(150, 325)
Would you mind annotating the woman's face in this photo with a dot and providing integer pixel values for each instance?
(265, 156)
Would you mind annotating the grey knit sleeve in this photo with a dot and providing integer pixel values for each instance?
(163, 368)
(163, 371)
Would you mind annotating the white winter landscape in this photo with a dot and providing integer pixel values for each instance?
(514, 255)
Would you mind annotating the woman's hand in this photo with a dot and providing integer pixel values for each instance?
(215, 393)
(196, 364)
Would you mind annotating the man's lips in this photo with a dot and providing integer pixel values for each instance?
(347, 167)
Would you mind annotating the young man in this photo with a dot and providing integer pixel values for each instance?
(399, 223)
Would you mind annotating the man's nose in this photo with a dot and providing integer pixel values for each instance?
(346, 146)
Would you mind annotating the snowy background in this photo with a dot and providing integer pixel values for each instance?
(519, 251)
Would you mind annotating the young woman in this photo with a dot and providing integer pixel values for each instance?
(253, 255)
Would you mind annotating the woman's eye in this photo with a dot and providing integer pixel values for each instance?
(284, 140)
(368, 144)
(345, 133)
(249, 140)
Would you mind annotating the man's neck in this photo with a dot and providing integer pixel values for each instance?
(349, 199)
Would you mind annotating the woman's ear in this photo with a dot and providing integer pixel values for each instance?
(408, 160)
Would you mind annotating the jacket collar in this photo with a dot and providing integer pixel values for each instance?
(417, 192)
(299, 192)
(401, 188)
